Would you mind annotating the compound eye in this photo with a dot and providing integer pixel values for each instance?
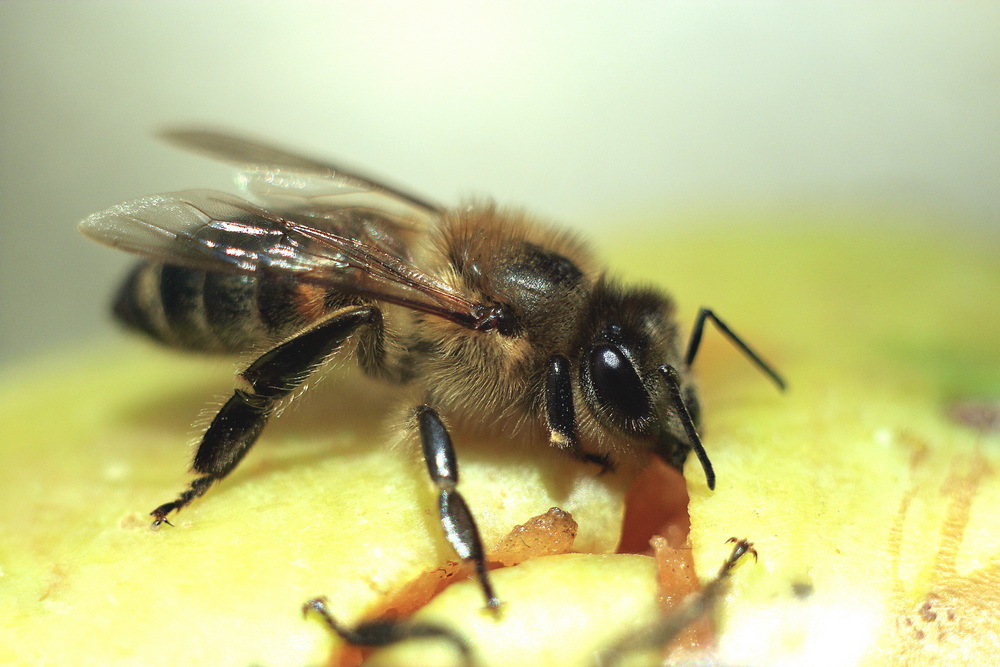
(617, 384)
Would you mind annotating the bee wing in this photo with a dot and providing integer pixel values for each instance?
(214, 231)
(285, 181)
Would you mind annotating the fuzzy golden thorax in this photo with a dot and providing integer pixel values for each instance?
(562, 304)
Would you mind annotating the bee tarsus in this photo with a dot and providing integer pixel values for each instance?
(196, 489)
(741, 547)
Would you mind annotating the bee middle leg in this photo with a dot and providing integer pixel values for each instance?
(274, 375)
(456, 519)
(389, 631)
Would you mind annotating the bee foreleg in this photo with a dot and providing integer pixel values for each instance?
(695, 341)
(560, 415)
(274, 375)
(456, 519)
(387, 631)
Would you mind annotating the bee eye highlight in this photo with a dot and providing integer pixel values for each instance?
(616, 383)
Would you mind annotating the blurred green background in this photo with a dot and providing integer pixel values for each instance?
(594, 114)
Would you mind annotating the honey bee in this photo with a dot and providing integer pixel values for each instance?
(497, 319)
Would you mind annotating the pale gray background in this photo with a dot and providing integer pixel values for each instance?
(578, 110)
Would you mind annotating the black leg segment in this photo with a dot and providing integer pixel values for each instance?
(456, 519)
(695, 341)
(388, 631)
(560, 415)
(284, 368)
(233, 430)
(274, 375)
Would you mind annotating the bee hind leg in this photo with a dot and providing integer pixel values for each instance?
(273, 376)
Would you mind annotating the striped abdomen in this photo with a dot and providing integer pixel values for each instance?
(219, 312)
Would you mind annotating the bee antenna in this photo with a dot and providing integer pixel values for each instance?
(672, 378)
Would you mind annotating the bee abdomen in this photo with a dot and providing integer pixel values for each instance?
(215, 312)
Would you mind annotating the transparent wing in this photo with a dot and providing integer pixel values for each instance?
(284, 181)
(215, 231)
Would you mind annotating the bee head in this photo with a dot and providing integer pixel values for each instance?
(633, 377)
